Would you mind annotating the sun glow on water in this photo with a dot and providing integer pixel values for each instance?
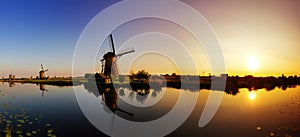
(252, 95)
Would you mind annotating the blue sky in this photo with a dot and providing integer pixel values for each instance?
(34, 32)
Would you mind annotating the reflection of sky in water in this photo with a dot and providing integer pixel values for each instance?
(58, 107)
(255, 113)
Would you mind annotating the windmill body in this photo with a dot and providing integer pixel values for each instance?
(42, 75)
(109, 68)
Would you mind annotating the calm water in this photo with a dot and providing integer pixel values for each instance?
(29, 111)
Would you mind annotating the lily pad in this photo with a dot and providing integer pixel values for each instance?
(50, 131)
(28, 134)
(21, 121)
(19, 131)
(34, 132)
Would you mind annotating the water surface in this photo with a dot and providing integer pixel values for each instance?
(54, 111)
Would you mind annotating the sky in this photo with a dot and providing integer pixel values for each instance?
(257, 38)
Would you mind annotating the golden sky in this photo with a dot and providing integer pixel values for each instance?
(259, 38)
(261, 33)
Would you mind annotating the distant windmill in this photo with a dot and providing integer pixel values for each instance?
(109, 68)
(42, 73)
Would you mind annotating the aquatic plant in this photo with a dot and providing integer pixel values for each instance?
(16, 120)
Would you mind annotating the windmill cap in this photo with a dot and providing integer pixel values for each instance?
(109, 54)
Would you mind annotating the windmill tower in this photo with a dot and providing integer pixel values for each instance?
(42, 73)
(109, 68)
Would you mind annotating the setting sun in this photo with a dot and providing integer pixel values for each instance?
(253, 64)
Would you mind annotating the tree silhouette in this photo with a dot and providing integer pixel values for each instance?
(140, 76)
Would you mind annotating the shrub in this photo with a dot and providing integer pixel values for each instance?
(140, 76)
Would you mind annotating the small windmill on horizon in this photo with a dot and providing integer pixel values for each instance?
(42, 75)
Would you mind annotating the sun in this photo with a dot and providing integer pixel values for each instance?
(253, 64)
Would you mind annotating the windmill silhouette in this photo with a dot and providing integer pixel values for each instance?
(42, 73)
(109, 69)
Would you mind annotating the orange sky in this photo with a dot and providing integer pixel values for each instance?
(259, 38)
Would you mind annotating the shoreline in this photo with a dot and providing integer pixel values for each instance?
(232, 85)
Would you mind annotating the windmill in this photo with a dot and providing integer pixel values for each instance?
(109, 68)
(42, 73)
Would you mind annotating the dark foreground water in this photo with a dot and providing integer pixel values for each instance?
(53, 111)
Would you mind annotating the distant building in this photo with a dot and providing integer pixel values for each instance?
(10, 77)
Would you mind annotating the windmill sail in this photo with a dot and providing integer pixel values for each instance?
(125, 51)
(112, 43)
(109, 69)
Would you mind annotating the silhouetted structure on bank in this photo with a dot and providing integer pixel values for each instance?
(109, 68)
(42, 75)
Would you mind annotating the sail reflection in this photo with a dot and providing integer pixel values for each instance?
(43, 89)
(109, 97)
